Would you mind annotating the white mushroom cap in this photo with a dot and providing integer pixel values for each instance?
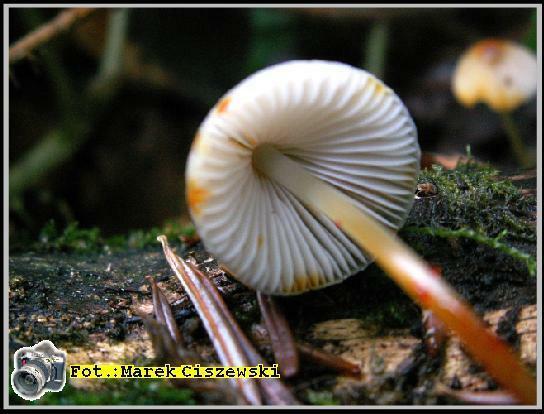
(340, 123)
(497, 72)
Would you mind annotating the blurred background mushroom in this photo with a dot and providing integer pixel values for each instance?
(503, 75)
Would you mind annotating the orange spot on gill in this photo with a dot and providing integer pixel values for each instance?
(300, 284)
(196, 196)
(197, 141)
(379, 87)
(223, 105)
(304, 283)
(315, 280)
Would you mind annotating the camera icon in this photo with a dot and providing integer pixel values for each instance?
(38, 369)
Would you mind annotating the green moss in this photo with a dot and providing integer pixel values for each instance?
(116, 392)
(479, 231)
(380, 303)
(74, 239)
(393, 314)
(321, 398)
(480, 238)
(473, 196)
(138, 239)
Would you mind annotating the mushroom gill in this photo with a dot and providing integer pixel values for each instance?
(340, 124)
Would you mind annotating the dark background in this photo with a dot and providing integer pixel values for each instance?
(121, 146)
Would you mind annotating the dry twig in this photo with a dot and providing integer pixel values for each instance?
(232, 346)
(43, 34)
(168, 351)
(435, 333)
(163, 311)
(281, 337)
(477, 397)
(329, 360)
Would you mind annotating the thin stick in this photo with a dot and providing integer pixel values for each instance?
(163, 311)
(281, 337)
(404, 266)
(167, 351)
(223, 338)
(217, 319)
(376, 48)
(435, 333)
(165, 347)
(477, 397)
(330, 360)
(43, 34)
(274, 391)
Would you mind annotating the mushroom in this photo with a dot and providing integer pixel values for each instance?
(299, 177)
(341, 125)
(501, 74)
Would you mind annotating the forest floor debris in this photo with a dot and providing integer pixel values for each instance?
(89, 302)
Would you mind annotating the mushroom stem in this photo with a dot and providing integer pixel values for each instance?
(516, 141)
(405, 267)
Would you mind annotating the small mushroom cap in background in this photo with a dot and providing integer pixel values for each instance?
(497, 72)
(342, 125)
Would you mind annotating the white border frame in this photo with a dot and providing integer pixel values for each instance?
(7, 8)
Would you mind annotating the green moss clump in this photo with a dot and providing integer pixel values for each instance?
(117, 392)
(74, 239)
(321, 398)
(478, 230)
(470, 234)
(473, 196)
(138, 239)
